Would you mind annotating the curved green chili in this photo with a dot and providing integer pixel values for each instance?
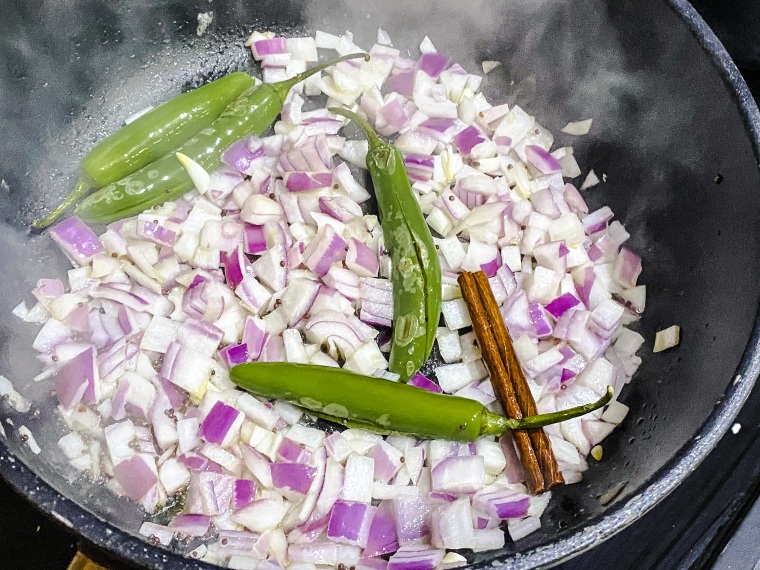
(151, 136)
(415, 270)
(253, 112)
(383, 406)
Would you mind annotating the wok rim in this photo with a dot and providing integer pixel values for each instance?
(110, 541)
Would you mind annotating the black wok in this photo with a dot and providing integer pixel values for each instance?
(676, 134)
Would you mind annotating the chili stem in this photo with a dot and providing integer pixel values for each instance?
(283, 87)
(542, 420)
(372, 137)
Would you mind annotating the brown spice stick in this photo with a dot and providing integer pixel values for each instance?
(538, 437)
(500, 380)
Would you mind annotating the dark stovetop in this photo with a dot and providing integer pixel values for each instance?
(711, 521)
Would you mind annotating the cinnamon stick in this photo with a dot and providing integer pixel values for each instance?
(539, 438)
(500, 379)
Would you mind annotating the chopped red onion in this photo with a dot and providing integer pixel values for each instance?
(261, 515)
(394, 114)
(350, 523)
(274, 350)
(76, 240)
(313, 155)
(243, 493)
(362, 260)
(324, 553)
(187, 369)
(253, 239)
(209, 493)
(236, 266)
(606, 317)
(254, 337)
(200, 336)
(502, 503)
(190, 525)
(541, 159)
(381, 538)
(296, 477)
(357, 481)
(467, 139)
(458, 475)
(412, 516)
(253, 294)
(415, 557)
(236, 541)
(433, 63)
(156, 532)
(157, 233)
(401, 83)
(136, 475)
(257, 464)
(480, 173)
(542, 325)
(552, 255)
(291, 452)
(597, 221)
(520, 528)
(258, 412)
(298, 299)
(79, 379)
(233, 354)
(513, 470)
(421, 381)
(452, 525)
(303, 181)
(324, 250)
(388, 461)
(222, 424)
(266, 47)
(241, 154)
(627, 268)
(419, 166)
(340, 207)
(272, 267)
(344, 281)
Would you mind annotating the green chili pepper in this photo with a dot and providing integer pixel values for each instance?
(253, 112)
(151, 136)
(415, 270)
(383, 406)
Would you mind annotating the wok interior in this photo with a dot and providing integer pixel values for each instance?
(664, 127)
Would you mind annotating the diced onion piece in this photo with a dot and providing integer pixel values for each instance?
(591, 180)
(350, 523)
(77, 240)
(156, 532)
(28, 437)
(415, 557)
(667, 338)
(357, 485)
(520, 528)
(489, 65)
(458, 475)
(578, 127)
(455, 314)
(261, 516)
